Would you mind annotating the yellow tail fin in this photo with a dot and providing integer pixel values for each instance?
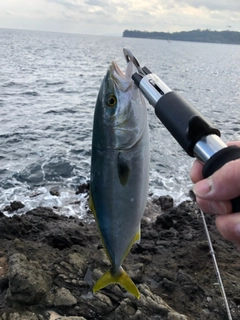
(121, 278)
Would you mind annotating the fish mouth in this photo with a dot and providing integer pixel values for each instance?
(115, 69)
(122, 80)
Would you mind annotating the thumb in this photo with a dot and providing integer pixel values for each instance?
(223, 185)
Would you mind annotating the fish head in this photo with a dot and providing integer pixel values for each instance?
(120, 109)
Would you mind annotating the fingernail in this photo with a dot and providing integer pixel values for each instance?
(202, 187)
(217, 207)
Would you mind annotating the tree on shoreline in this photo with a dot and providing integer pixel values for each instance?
(207, 35)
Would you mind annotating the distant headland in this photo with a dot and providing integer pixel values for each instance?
(227, 36)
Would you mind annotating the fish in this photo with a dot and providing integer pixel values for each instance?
(119, 178)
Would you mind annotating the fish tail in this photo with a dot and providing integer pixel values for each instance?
(121, 278)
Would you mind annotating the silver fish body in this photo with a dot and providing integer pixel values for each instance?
(119, 169)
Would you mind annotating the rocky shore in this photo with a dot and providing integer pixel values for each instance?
(48, 264)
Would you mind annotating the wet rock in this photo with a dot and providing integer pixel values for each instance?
(55, 191)
(83, 188)
(15, 205)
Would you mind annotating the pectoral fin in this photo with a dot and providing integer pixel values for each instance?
(123, 169)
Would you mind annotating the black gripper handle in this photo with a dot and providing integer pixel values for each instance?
(183, 121)
(217, 161)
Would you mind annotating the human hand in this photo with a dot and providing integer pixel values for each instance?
(214, 193)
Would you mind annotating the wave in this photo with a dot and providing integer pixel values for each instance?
(62, 111)
(41, 173)
(14, 84)
(63, 90)
(31, 93)
(55, 83)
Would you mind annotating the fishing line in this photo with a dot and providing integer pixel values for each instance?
(216, 266)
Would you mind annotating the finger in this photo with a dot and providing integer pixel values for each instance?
(214, 207)
(233, 143)
(229, 227)
(196, 171)
(223, 185)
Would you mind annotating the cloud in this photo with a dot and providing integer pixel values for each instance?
(114, 16)
(10, 13)
(70, 4)
(220, 5)
(98, 3)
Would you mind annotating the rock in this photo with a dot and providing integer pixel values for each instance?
(136, 272)
(70, 318)
(27, 281)
(101, 258)
(50, 262)
(15, 205)
(55, 191)
(20, 316)
(156, 304)
(64, 298)
(165, 221)
(168, 285)
(83, 188)
(165, 202)
(176, 316)
(125, 309)
(189, 286)
(78, 262)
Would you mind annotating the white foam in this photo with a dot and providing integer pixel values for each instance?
(68, 203)
(178, 189)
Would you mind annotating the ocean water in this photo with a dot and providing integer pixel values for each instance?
(48, 87)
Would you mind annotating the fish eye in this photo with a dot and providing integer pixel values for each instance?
(111, 100)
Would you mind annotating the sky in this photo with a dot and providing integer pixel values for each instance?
(112, 17)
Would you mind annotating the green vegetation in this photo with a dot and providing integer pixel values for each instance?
(207, 35)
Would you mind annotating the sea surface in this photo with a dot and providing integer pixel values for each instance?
(48, 88)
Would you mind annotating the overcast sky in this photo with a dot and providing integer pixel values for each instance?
(114, 16)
